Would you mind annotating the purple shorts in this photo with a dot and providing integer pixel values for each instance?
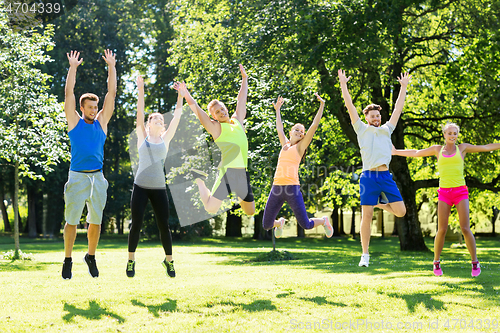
(453, 195)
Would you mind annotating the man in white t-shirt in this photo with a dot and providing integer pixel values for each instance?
(376, 151)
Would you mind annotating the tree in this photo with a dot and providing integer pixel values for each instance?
(31, 131)
(300, 44)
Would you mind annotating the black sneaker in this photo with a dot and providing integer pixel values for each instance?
(130, 268)
(198, 174)
(169, 266)
(93, 271)
(66, 271)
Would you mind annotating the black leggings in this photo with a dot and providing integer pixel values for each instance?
(138, 202)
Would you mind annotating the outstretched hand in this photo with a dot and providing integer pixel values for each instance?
(73, 58)
(279, 103)
(342, 77)
(243, 73)
(140, 82)
(319, 98)
(109, 57)
(404, 79)
(181, 88)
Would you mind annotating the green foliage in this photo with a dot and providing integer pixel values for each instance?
(31, 128)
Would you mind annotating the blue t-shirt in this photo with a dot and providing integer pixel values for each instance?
(87, 146)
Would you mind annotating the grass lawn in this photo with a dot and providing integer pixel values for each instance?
(219, 288)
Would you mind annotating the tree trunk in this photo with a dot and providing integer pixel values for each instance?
(341, 222)
(353, 223)
(409, 232)
(15, 203)
(32, 197)
(233, 223)
(258, 230)
(5, 216)
(300, 232)
(335, 221)
(382, 227)
(493, 220)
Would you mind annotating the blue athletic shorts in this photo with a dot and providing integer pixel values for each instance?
(373, 183)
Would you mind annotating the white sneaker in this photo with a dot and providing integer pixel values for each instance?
(365, 260)
(278, 231)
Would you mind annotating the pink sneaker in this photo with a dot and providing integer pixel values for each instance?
(476, 269)
(437, 268)
(328, 227)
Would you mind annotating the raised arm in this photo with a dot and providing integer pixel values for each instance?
(169, 134)
(139, 124)
(468, 148)
(403, 80)
(279, 123)
(304, 143)
(347, 97)
(433, 150)
(212, 126)
(109, 101)
(69, 95)
(241, 105)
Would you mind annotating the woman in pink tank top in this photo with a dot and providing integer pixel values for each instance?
(286, 185)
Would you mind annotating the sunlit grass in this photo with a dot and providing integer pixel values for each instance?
(220, 288)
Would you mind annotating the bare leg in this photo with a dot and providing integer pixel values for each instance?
(131, 256)
(169, 257)
(210, 203)
(93, 234)
(248, 207)
(463, 216)
(397, 208)
(69, 239)
(443, 214)
(318, 221)
(366, 223)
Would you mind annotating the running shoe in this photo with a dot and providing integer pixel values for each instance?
(328, 227)
(476, 268)
(437, 268)
(169, 266)
(93, 271)
(199, 174)
(131, 268)
(66, 270)
(278, 231)
(365, 260)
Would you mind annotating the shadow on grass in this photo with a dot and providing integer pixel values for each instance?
(413, 300)
(18, 266)
(321, 300)
(155, 310)
(94, 312)
(255, 306)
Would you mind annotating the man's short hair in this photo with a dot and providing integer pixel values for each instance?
(372, 107)
(88, 96)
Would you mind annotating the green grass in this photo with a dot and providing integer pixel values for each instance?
(221, 288)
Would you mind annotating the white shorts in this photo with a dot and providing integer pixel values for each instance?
(85, 188)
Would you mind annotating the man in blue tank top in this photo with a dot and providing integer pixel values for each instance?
(86, 183)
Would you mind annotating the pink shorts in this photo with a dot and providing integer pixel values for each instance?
(453, 195)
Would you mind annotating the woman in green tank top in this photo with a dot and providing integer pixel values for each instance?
(452, 189)
(229, 134)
